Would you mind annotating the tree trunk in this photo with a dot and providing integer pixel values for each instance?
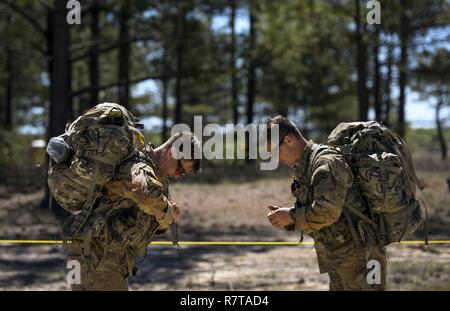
(59, 71)
(361, 66)
(306, 118)
(58, 42)
(440, 131)
(387, 90)
(124, 55)
(7, 123)
(377, 78)
(234, 92)
(165, 82)
(251, 76)
(181, 21)
(164, 109)
(2, 108)
(9, 90)
(93, 56)
(402, 68)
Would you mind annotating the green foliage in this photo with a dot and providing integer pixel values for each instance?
(424, 139)
(431, 74)
(304, 53)
(16, 148)
(309, 64)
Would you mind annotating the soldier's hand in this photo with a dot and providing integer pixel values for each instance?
(176, 211)
(280, 217)
(271, 209)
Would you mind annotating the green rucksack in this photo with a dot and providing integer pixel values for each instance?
(84, 158)
(384, 176)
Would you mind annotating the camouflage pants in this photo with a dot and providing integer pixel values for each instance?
(99, 272)
(353, 273)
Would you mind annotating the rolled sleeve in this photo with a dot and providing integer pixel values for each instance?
(149, 194)
(330, 183)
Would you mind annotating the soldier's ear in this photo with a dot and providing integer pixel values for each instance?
(288, 139)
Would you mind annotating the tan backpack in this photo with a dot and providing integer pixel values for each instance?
(84, 158)
(384, 176)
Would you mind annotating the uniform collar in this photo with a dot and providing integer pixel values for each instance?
(150, 155)
(300, 166)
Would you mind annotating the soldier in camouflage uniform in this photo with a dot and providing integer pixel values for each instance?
(134, 207)
(323, 186)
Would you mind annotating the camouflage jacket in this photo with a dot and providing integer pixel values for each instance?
(137, 181)
(138, 205)
(132, 208)
(322, 186)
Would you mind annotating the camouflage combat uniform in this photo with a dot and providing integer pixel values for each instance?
(133, 208)
(323, 187)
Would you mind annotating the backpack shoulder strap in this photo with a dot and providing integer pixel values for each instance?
(316, 153)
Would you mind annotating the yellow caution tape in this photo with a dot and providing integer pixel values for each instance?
(212, 242)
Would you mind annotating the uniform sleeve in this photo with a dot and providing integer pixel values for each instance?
(148, 193)
(331, 179)
(144, 188)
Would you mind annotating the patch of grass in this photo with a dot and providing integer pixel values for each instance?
(418, 275)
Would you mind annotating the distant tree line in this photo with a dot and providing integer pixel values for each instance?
(319, 62)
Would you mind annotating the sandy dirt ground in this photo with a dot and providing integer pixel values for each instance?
(222, 211)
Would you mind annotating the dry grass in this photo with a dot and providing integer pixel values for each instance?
(222, 211)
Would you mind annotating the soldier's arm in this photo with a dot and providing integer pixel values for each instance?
(144, 188)
(149, 194)
(331, 179)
